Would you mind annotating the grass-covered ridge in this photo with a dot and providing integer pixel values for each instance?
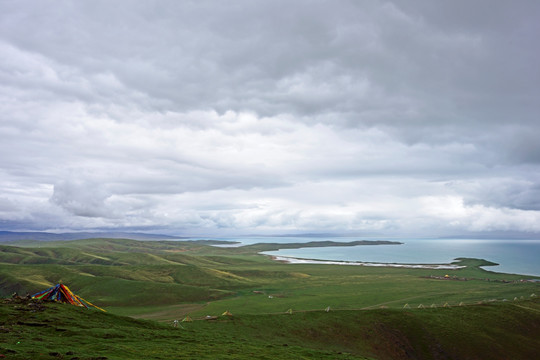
(128, 274)
(492, 331)
(166, 280)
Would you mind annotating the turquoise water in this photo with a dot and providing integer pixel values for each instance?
(513, 256)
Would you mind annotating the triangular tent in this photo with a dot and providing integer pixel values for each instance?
(187, 319)
(61, 293)
(226, 313)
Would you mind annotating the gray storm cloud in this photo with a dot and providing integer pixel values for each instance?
(409, 117)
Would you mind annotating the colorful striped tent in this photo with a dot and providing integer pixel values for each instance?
(61, 293)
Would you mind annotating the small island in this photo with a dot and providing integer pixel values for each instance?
(279, 246)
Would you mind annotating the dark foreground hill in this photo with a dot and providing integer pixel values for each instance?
(55, 331)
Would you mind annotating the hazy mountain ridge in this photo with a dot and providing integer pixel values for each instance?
(6, 236)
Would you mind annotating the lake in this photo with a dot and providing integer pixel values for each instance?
(513, 256)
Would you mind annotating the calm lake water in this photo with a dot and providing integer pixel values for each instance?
(513, 256)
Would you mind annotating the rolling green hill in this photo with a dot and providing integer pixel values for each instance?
(413, 313)
(494, 331)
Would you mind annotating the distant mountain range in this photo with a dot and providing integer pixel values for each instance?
(6, 236)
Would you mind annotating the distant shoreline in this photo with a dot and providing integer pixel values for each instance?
(293, 260)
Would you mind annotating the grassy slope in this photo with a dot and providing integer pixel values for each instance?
(130, 276)
(166, 280)
(494, 331)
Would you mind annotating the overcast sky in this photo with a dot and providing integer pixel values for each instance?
(405, 118)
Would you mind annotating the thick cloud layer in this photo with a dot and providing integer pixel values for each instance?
(209, 117)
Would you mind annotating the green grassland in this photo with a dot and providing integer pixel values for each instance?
(505, 330)
(376, 312)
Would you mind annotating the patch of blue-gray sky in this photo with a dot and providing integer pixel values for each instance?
(218, 118)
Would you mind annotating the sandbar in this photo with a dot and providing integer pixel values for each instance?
(292, 260)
